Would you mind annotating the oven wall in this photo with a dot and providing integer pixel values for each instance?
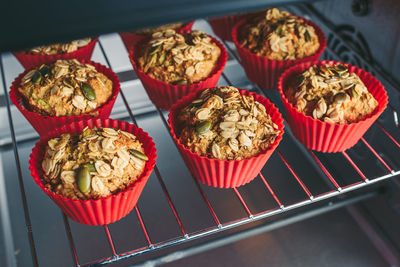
(380, 28)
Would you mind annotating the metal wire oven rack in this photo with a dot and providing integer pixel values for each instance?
(378, 148)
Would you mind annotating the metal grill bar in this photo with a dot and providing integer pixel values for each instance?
(388, 134)
(376, 154)
(355, 166)
(110, 240)
(17, 162)
(327, 173)
(295, 175)
(271, 191)
(246, 208)
(70, 239)
(143, 227)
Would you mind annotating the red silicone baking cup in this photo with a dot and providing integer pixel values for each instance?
(163, 94)
(224, 173)
(129, 38)
(103, 210)
(29, 61)
(324, 136)
(43, 124)
(223, 26)
(265, 72)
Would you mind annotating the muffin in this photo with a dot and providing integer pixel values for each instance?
(171, 65)
(330, 105)
(130, 38)
(172, 26)
(270, 42)
(278, 35)
(79, 49)
(223, 124)
(65, 88)
(51, 95)
(225, 135)
(94, 170)
(179, 58)
(96, 163)
(331, 94)
(60, 48)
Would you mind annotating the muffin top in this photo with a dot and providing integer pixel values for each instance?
(223, 124)
(95, 163)
(278, 35)
(331, 93)
(56, 49)
(179, 59)
(172, 26)
(65, 88)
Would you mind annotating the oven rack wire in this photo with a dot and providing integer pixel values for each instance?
(280, 206)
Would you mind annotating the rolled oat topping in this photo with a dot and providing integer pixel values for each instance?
(96, 163)
(278, 35)
(179, 59)
(65, 88)
(223, 124)
(56, 49)
(172, 26)
(331, 94)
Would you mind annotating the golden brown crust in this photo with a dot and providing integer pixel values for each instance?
(113, 167)
(60, 90)
(179, 59)
(278, 35)
(223, 124)
(60, 48)
(331, 94)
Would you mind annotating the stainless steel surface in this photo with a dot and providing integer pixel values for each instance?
(175, 209)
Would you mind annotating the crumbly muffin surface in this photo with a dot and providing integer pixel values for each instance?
(172, 26)
(65, 88)
(278, 35)
(61, 48)
(96, 163)
(179, 59)
(223, 124)
(331, 94)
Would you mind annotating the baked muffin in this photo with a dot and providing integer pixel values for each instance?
(172, 26)
(95, 163)
(179, 58)
(331, 94)
(60, 48)
(278, 35)
(65, 88)
(223, 124)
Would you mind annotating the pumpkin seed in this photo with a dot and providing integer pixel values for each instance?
(197, 102)
(154, 49)
(138, 154)
(83, 179)
(90, 167)
(354, 92)
(340, 68)
(45, 71)
(161, 59)
(88, 91)
(37, 77)
(85, 133)
(340, 98)
(203, 127)
(307, 36)
(278, 29)
(181, 82)
(42, 102)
